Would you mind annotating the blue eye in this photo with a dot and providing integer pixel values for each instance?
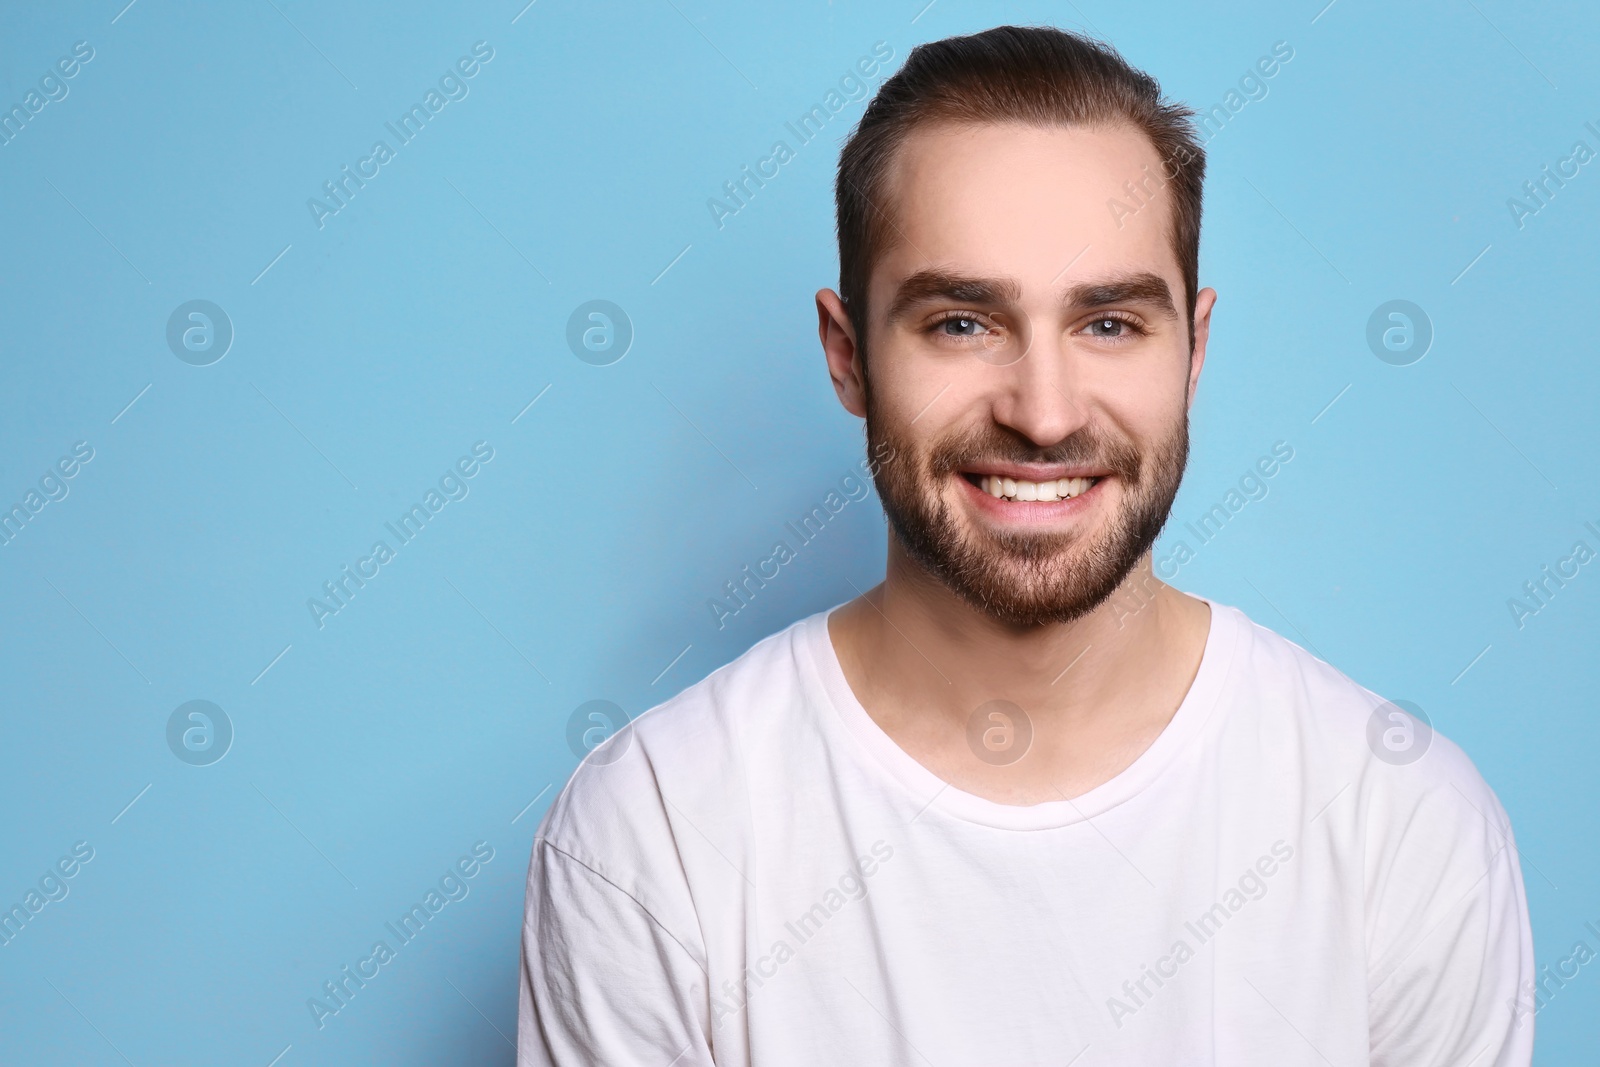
(1113, 328)
(961, 327)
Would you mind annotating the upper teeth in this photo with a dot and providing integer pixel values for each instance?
(1012, 489)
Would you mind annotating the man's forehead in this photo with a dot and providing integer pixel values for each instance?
(1025, 201)
(1082, 141)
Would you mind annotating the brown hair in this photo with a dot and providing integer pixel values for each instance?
(1040, 76)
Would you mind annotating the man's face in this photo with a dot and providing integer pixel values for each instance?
(1029, 363)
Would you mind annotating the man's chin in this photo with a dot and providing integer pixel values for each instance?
(1030, 580)
(1030, 609)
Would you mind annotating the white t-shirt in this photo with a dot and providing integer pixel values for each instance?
(754, 873)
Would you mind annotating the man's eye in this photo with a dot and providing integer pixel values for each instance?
(1111, 328)
(962, 327)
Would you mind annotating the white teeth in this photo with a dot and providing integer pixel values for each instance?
(1011, 489)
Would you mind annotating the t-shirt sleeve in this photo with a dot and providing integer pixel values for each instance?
(1450, 949)
(603, 982)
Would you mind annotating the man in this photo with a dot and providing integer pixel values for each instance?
(1022, 803)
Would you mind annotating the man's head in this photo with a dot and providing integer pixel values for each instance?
(1019, 218)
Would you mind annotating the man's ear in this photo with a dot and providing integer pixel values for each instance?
(839, 348)
(1205, 300)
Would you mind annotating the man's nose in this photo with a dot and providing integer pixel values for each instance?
(1036, 394)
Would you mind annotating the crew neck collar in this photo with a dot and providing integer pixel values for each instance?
(1193, 711)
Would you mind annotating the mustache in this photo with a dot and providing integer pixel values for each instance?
(1086, 446)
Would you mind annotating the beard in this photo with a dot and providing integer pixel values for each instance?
(1019, 578)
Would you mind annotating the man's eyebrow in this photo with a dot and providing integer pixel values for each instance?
(926, 285)
(1140, 288)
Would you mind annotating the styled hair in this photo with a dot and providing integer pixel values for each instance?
(1039, 76)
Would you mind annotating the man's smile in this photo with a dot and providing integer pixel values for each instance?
(1037, 488)
(1031, 493)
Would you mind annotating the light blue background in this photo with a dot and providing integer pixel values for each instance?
(430, 311)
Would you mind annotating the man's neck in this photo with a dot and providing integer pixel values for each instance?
(1095, 691)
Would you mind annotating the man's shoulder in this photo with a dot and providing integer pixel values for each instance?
(752, 691)
(1289, 676)
(1387, 749)
(685, 755)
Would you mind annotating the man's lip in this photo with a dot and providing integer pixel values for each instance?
(1035, 513)
(1034, 472)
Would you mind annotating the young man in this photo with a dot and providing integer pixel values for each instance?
(1022, 803)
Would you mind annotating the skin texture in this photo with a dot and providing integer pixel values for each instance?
(1016, 369)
